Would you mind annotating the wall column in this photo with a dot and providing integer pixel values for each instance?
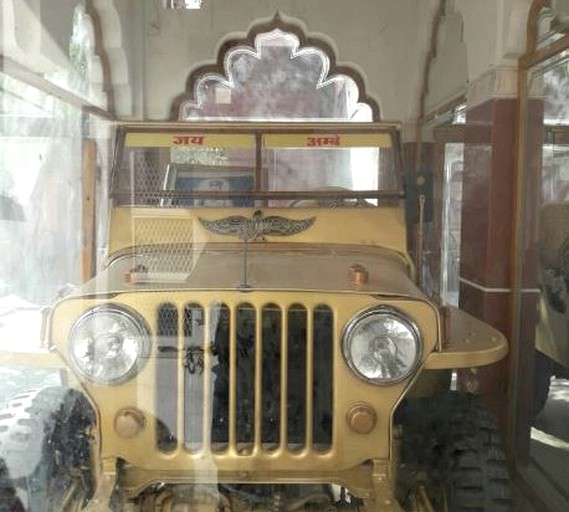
(487, 210)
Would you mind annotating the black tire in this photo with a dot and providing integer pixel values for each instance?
(44, 447)
(453, 439)
(9, 501)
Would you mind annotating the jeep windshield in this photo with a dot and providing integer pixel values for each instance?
(208, 165)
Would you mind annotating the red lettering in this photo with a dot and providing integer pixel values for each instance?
(185, 140)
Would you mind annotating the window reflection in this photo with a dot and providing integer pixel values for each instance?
(41, 160)
(552, 22)
(547, 230)
(40, 200)
(452, 215)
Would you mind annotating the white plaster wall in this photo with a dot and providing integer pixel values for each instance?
(478, 45)
(151, 51)
(384, 40)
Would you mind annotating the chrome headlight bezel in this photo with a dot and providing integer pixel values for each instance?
(380, 312)
(140, 337)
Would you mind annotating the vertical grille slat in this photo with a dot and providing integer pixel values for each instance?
(251, 378)
(194, 365)
(167, 377)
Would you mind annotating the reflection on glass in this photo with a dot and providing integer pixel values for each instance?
(198, 169)
(547, 161)
(555, 84)
(83, 63)
(451, 222)
(552, 22)
(40, 205)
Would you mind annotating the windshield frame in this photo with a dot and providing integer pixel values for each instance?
(258, 131)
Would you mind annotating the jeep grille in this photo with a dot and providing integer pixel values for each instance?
(252, 378)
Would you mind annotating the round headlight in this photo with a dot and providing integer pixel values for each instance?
(381, 345)
(108, 345)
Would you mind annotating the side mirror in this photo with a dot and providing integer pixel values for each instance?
(417, 186)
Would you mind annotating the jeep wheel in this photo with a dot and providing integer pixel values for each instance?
(453, 442)
(9, 501)
(44, 451)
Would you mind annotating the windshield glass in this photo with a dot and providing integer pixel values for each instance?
(204, 168)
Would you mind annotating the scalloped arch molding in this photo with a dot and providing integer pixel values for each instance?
(237, 66)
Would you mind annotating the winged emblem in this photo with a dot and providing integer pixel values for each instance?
(255, 229)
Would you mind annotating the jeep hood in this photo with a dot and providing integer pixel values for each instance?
(261, 266)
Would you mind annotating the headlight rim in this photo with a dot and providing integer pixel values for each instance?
(401, 317)
(144, 344)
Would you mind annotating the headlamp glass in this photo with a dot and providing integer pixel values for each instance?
(108, 345)
(382, 345)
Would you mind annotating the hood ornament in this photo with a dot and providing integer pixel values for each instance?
(255, 229)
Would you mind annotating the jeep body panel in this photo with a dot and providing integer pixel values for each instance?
(240, 294)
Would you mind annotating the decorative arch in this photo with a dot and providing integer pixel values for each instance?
(89, 75)
(109, 48)
(446, 23)
(261, 76)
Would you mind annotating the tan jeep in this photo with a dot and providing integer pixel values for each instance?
(256, 341)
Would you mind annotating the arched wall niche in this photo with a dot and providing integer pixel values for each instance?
(446, 66)
(467, 62)
(288, 42)
(98, 74)
(113, 46)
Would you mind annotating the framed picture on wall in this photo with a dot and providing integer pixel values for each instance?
(214, 178)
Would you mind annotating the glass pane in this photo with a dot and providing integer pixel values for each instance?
(330, 162)
(550, 437)
(552, 22)
(451, 222)
(309, 169)
(554, 81)
(40, 199)
(156, 164)
(544, 306)
(217, 169)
